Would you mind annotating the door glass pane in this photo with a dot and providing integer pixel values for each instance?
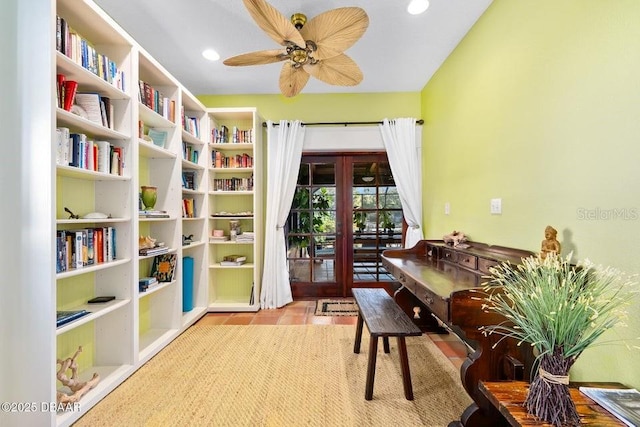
(311, 226)
(377, 220)
(324, 173)
(303, 174)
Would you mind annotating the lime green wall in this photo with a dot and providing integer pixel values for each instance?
(324, 107)
(540, 106)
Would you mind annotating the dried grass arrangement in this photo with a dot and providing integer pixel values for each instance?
(560, 309)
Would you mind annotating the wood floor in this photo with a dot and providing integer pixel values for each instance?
(301, 312)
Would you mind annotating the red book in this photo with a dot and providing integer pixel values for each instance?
(70, 89)
(60, 80)
(99, 253)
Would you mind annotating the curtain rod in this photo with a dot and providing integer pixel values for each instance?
(264, 124)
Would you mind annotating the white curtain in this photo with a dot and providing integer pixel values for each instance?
(405, 160)
(284, 151)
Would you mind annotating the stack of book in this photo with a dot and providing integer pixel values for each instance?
(153, 214)
(65, 316)
(232, 260)
(246, 237)
(146, 282)
(157, 250)
(214, 239)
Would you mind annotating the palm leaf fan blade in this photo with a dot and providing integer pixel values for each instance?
(292, 80)
(256, 58)
(335, 31)
(339, 70)
(272, 22)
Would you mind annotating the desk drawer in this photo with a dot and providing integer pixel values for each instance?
(435, 303)
(468, 261)
(449, 255)
(485, 264)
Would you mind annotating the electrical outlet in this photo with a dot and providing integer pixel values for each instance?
(496, 206)
(447, 208)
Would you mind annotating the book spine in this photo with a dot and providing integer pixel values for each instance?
(78, 249)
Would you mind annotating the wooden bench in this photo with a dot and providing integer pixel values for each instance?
(384, 318)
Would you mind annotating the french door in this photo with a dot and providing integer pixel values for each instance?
(345, 212)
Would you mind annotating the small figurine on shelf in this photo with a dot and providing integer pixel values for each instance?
(146, 242)
(455, 239)
(550, 244)
(187, 240)
(78, 388)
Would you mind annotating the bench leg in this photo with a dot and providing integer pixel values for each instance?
(356, 345)
(406, 374)
(371, 367)
(385, 344)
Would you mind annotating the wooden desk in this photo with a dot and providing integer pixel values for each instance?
(508, 397)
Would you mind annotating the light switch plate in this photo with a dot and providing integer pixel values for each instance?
(496, 206)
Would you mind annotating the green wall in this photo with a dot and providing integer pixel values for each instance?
(324, 107)
(540, 106)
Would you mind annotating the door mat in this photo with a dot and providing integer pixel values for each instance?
(336, 307)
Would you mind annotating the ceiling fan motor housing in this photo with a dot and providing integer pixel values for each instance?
(298, 20)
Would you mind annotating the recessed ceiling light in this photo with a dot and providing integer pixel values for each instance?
(416, 7)
(211, 55)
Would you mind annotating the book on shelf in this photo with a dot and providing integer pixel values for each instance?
(232, 260)
(65, 316)
(164, 267)
(90, 102)
(145, 283)
(159, 137)
(623, 403)
(246, 237)
(158, 250)
(153, 214)
(213, 239)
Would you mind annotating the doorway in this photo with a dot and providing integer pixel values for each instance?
(345, 212)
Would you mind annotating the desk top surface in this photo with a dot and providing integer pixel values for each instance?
(509, 397)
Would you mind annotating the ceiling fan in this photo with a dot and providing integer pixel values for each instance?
(310, 48)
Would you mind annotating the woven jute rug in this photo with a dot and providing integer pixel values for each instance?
(336, 307)
(307, 375)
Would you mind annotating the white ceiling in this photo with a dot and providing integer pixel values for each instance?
(398, 52)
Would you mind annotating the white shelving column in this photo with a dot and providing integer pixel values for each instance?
(235, 194)
(195, 130)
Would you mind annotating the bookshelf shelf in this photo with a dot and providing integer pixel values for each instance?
(83, 221)
(92, 268)
(154, 340)
(229, 170)
(188, 191)
(192, 139)
(193, 245)
(154, 289)
(225, 267)
(80, 124)
(85, 174)
(151, 151)
(96, 310)
(151, 118)
(186, 164)
(156, 219)
(228, 146)
(230, 193)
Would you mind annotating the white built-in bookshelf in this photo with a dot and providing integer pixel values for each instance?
(235, 195)
(119, 336)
